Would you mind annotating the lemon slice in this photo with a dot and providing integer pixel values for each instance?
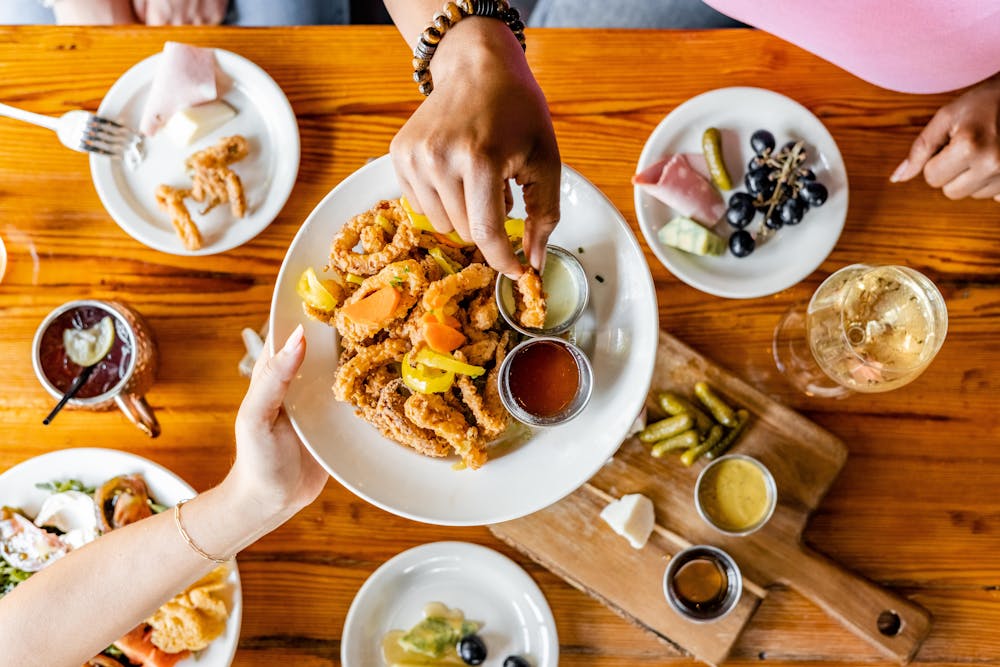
(86, 347)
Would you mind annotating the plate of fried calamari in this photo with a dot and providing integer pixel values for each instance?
(58, 502)
(398, 396)
(218, 158)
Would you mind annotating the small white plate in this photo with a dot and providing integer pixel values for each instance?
(94, 466)
(268, 173)
(792, 253)
(487, 586)
(618, 331)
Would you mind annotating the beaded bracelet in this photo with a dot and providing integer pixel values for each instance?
(452, 13)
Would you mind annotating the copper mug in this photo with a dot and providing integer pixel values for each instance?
(128, 394)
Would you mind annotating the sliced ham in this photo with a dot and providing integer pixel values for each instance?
(184, 78)
(138, 648)
(679, 185)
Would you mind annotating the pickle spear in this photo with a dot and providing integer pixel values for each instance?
(711, 146)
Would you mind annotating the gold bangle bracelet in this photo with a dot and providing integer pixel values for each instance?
(187, 538)
(452, 13)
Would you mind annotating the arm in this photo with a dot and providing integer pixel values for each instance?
(95, 595)
(93, 12)
(959, 150)
(486, 122)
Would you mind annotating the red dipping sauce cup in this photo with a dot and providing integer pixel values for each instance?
(120, 379)
(545, 381)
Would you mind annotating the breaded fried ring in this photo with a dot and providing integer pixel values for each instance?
(372, 238)
(342, 253)
(492, 420)
(348, 386)
(530, 299)
(483, 310)
(222, 154)
(432, 412)
(390, 417)
(481, 348)
(471, 278)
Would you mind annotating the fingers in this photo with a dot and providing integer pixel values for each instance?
(963, 185)
(484, 200)
(990, 189)
(541, 200)
(946, 166)
(415, 188)
(452, 196)
(271, 377)
(927, 143)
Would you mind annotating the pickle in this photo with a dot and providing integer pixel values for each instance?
(685, 440)
(673, 404)
(722, 446)
(665, 428)
(711, 146)
(722, 412)
(694, 453)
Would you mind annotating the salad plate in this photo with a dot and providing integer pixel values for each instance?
(618, 331)
(94, 466)
(485, 585)
(793, 252)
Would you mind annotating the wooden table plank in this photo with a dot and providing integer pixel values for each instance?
(916, 506)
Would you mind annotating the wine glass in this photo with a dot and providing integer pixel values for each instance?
(868, 328)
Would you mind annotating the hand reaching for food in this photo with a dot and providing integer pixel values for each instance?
(181, 12)
(485, 122)
(959, 149)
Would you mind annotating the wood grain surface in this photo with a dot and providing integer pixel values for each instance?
(916, 508)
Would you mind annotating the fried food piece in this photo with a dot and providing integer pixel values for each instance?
(223, 153)
(530, 299)
(452, 287)
(372, 239)
(392, 421)
(483, 310)
(491, 416)
(348, 385)
(432, 412)
(195, 618)
(217, 186)
(406, 276)
(171, 200)
(482, 347)
(342, 253)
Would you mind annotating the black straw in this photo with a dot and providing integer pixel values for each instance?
(80, 380)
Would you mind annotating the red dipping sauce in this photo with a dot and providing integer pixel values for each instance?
(544, 378)
(61, 372)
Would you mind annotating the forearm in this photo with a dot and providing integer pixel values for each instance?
(93, 12)
(84, 602)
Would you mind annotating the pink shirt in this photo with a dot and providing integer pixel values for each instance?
(913, 46)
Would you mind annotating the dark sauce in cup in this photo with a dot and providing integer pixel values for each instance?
(544, 378)
(61, 371)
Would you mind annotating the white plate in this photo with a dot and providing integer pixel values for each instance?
(93, 466)
(791, 254)
(487, 586)
(268, 173)
(618, 331)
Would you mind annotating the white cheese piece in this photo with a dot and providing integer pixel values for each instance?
(631, 517)
(72, 512)
(687, 235)
(191, 124)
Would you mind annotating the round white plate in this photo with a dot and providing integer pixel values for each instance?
(792, 253)
(487, 586)
(268, 173)
(619, 332)
(93, 466)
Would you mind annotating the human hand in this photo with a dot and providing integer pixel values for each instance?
(959, 150)
(485, 122)
(273, 469)
(181, 12)
(93, 12)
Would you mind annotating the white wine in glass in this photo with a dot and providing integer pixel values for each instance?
(866, 329)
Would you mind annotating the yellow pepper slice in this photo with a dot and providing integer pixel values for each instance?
(423, 223)
(514, 228)
(314, 293)
(354, 278)
(442, 260)
(384, 224)
(446, 362)
(425, 380)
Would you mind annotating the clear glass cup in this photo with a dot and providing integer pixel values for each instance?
(868, 328)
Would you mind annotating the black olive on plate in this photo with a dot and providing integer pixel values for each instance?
(761, 141)
(814, 193)
(741, 243)
(515, 661)
(741, 210)
(758, 182)
(472, 650)
(790, 212)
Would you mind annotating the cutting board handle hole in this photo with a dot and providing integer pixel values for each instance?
(889, 623)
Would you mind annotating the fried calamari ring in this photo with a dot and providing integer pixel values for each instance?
(348, 385)
(171, 200)
(390, 417)
(530, 299)
(432, 412)
(452, 287)
(483, 310)
(405, 239)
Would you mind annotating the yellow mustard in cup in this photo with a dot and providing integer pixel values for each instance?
(736, 494)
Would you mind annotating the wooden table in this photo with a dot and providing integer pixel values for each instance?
(916, 508)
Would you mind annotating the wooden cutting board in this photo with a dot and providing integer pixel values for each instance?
(570, 539)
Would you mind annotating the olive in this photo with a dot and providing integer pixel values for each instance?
(773, 219)
(741, 210)
(761, 141)
(806, 175)
(472, 650)
(741, 243)
(790, 212)
(814, 193)
(758, 182)
(515, 661)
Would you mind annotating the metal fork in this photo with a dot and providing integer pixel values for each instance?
(82, 131)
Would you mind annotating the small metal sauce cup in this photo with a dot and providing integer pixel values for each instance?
(734, 583)
(772, 495)
(129, 394)
(575, 407)
(505, 286)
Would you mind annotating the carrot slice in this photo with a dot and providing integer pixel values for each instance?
(375, 308)
(447, 320)
(442, 338)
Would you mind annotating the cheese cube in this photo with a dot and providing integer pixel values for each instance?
(687, 235)
(187, 126)
(631, 517)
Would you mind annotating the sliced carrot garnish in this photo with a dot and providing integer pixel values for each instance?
(375, 308)
(441, 318)
(441, 337)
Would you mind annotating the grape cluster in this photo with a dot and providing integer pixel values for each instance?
(778, 186)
